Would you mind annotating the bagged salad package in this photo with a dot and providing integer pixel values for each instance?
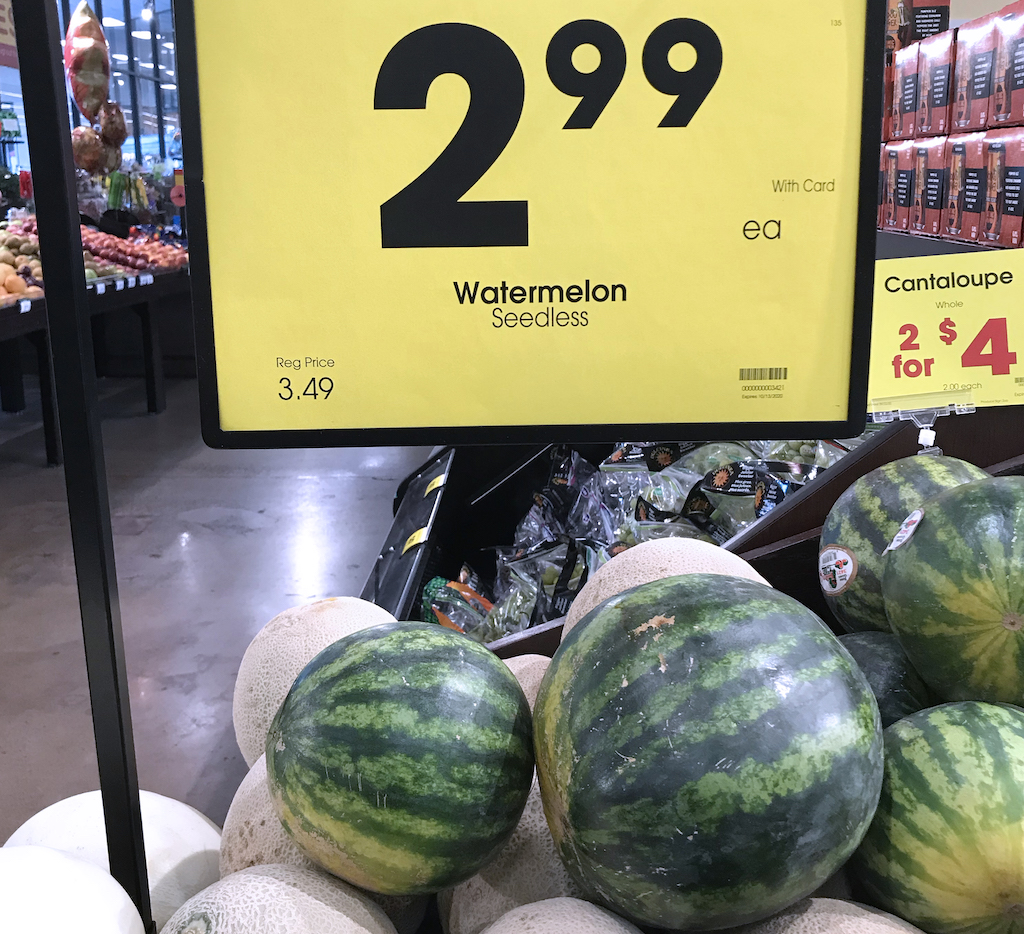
(585, 514)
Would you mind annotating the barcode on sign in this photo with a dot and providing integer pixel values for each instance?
(764, 372)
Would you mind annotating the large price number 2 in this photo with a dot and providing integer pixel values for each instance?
(428, 212)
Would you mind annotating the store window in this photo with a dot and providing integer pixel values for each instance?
(143, 75)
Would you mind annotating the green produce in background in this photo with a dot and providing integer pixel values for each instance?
(898, 688)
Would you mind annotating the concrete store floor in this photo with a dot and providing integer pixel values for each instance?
(209, 546)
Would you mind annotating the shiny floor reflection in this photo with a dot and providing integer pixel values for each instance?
(209, 546)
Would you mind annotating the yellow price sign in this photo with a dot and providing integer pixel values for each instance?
(948, 330)
(560, 219)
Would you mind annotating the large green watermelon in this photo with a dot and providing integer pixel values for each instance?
(708, 752)
(401, 759)
(863, 522)
(898, 688)
(954, 592)
(946, 848)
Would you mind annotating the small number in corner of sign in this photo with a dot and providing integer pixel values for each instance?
(25, 305)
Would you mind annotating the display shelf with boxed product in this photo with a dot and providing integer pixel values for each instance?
(935, 78)
(975, 70)
(899, 185)
(1004, 192)
(905, 92)
(1008, 94)
(929, 186)
(966, 186)
(928, 18)
(888, 79)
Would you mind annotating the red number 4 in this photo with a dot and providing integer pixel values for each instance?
(1000, 357)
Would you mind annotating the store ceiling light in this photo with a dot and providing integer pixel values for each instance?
(169, 73)
(142, 34)
(120, 83)
(169, 45)
(109, 21)
(145, 64)
(147, 13)
(118, 57)
(169, 87)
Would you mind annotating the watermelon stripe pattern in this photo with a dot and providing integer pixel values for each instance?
(946, 848)
(402, 758)
(689, 733)
(867, 516)
(954, 592)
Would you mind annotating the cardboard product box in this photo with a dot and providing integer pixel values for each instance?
(1004, 187)
(904, 97)
(897, 27)
(935, 81)
(1008, 84)
(966, 186)
(975, 73)
(888, 79)
(882, 160)
(899, 185)
(928, 17)
(929, 181)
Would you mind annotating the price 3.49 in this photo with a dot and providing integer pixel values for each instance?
(428, 212)
(315, 389)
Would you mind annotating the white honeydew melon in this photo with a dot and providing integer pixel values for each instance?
(527, 870)
(279, 900)
(46, 891)
(651, 561)
(280, 650)
(182, 845)
(254, 836)
(529, 670)
(829, 916)
(561, 916)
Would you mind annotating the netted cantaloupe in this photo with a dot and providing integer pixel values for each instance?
(45, 890)
(651, 561)
(529, 671)
(254, 836)
(279, 900)
(527, 870)
(561, 916)
(182, 845)
(280, 651)
(829, 916)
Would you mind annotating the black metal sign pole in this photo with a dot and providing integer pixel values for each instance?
(60, 242)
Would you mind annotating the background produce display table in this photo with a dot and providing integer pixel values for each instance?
(144, 294)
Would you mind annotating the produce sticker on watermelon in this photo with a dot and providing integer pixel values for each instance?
(507, 192)
(837, 567)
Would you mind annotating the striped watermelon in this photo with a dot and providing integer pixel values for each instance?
(954, 592)
(946, 848)
(862, 523)
(708, 752)
(898, 688)
(401, 759)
